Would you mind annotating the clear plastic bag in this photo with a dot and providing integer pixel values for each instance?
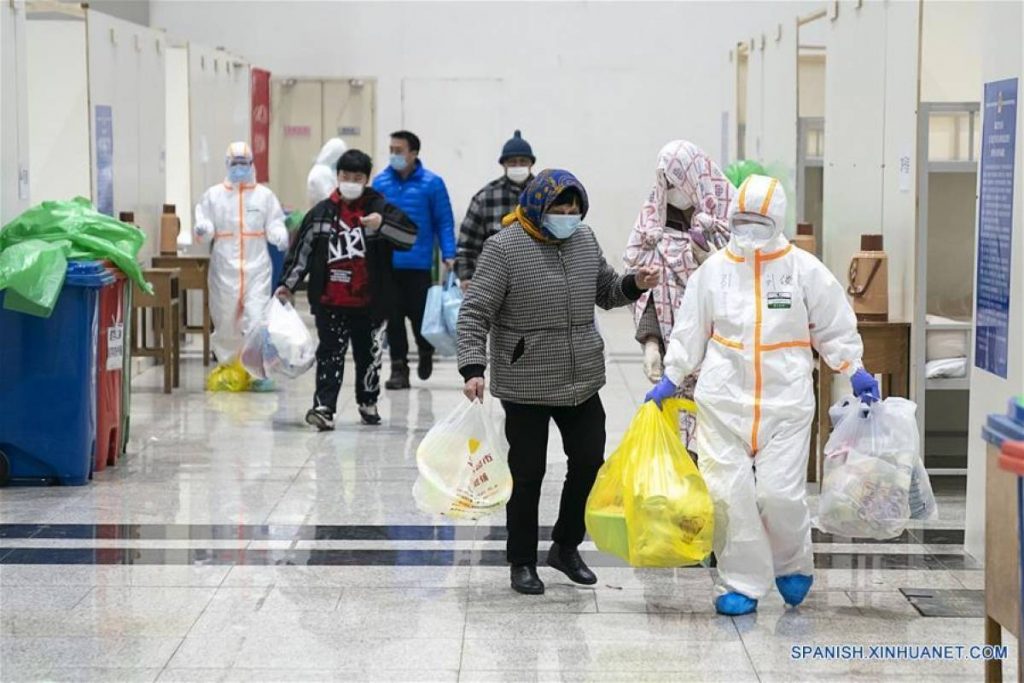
(874, 478)
(440, 316)
(280, 344)
(650, 505)
(463, 465)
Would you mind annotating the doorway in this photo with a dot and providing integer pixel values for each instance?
(811, 49)
(304, 114)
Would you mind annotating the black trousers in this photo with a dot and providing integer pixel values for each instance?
(337, 328)
(583, 433)
(410, 299)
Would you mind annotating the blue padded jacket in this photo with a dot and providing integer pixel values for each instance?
(423, 197)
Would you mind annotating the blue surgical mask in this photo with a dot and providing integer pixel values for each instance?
(398, 162)
(238, 174)
(561, 226)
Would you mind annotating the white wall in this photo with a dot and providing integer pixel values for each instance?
(811, 72)
(1001, 57)
(179, 175)
(58, 109)
(779, 112)
(14, 144)
(126, 72)
(870, 123)
(219, 111)
(596, 87)
(951, 51)
(755, 101)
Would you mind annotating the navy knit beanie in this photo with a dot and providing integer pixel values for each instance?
(516, 147)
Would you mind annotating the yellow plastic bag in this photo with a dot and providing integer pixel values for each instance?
(650, 505)
(229, 377)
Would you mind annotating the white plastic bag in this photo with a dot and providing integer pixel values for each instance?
(874, 478)
(279, 344)
(463, 465)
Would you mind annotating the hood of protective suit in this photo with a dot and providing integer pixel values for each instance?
(320, 184)
(238, 151)
(331, 152)
(323, 177)
(761, 198)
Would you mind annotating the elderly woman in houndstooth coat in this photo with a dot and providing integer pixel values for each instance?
(533, 294)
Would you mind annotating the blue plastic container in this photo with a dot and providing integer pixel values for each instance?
(48, 383)
(276, 265)
(997, 431)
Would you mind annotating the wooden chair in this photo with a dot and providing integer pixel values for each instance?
(165, 304)
(194, 276)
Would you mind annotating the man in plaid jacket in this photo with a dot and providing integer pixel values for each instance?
(492, 203)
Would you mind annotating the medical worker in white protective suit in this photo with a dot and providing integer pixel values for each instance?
(750, 317)
(240, 217)
(322, 180)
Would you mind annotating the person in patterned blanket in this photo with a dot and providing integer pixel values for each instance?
(682, 221)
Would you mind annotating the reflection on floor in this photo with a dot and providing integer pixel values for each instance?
(235, 543)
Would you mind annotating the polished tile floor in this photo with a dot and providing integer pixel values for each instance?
(234, 543)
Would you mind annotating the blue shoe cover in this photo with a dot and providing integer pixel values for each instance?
(735, 604)
(794, 587)
(262, 385)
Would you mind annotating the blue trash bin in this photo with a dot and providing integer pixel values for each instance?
(48, 383)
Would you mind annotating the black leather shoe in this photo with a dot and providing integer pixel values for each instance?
(569, 562)
(425, 366)
(399, 376)
(525, 579)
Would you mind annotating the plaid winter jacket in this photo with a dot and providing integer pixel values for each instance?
(536, 302)
(483, 219)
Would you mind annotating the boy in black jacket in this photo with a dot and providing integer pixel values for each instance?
(345, 245)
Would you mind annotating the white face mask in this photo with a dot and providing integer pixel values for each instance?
(752, 232)
(351, 191)
(678, 199)
(517, 174)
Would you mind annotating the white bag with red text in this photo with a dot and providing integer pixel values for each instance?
(463, 465)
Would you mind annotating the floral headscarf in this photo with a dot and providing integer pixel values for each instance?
(687, 168)
(538, 196)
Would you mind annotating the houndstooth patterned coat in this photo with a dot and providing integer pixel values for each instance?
(535, 302)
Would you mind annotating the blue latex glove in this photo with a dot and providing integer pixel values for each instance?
(662, 390)
(865, 386)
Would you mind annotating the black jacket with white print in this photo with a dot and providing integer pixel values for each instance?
(309, 253)
(535, 301)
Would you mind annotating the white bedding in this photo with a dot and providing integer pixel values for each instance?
(942, 344)
(946, 368)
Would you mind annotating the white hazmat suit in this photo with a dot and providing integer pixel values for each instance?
(322, 180)
(750, 317)
(241, 217)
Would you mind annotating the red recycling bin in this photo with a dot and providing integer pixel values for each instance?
(110, 350)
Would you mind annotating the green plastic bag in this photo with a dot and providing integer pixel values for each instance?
(33, 272)
(35, 248)
(294, 220)
(738, 171)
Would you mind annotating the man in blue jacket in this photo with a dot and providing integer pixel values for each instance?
(423, 197)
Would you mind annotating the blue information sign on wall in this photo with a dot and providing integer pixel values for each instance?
(104, 159)
(995, 225)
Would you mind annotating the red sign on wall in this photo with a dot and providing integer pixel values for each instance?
(261, 124)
